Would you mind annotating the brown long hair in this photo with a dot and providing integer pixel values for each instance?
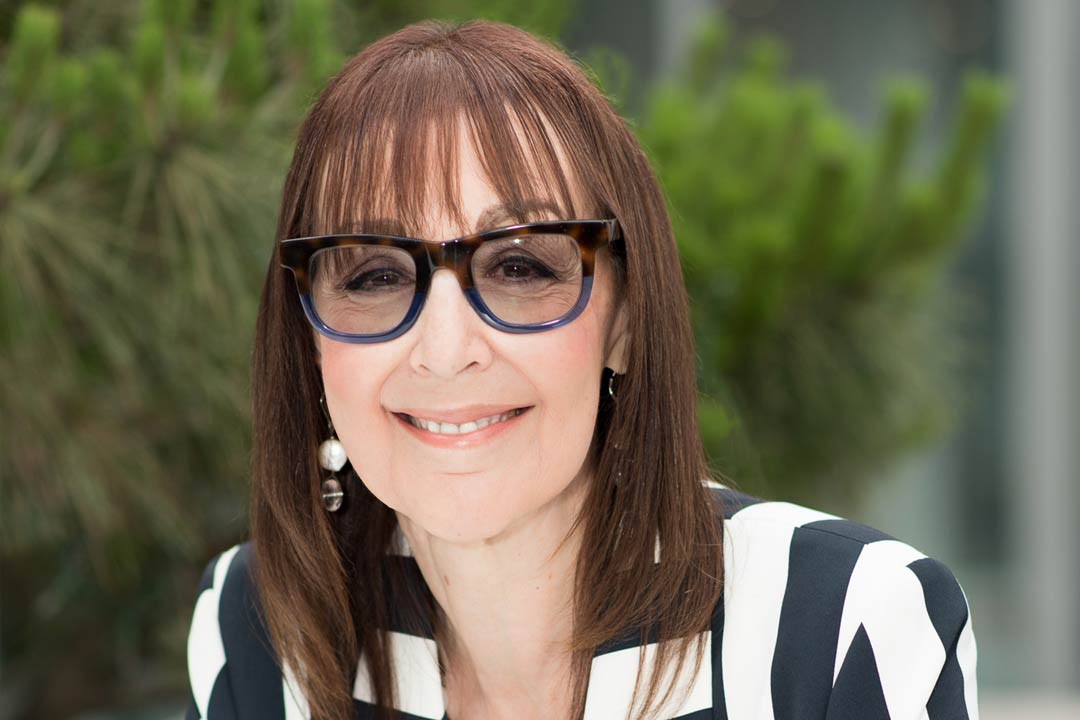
(362, 152)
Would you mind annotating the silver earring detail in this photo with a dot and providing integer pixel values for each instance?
(611, 394)
(331, 457)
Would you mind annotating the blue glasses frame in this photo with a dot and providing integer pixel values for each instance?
(455, 255)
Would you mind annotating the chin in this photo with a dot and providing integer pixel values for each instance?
(464, 525)
(473, 508)
(457, 533)
(463, 520)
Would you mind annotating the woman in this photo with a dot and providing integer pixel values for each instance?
(481, 493)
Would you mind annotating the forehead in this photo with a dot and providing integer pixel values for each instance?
(456, 177)
(479, 204)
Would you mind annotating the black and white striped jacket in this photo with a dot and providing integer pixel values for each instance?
(821, 617)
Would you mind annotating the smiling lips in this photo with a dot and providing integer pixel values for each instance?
(461, 421)
(447, 428)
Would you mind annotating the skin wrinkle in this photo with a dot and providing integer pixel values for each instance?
(487, 526)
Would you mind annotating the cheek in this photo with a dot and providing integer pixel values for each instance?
(348, 383)
(353, 377)
(566, 374)
(564, 370)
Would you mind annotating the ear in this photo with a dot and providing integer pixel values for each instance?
(316, 340)
(617, 340)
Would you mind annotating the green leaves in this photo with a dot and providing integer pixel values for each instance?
(34, 44)
(138, 191)
(811, 256)
(310, 40)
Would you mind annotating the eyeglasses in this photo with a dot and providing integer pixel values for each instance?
(367, 288)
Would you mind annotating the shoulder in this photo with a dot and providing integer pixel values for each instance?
(817, 554)
(231, 663)
(819, 606)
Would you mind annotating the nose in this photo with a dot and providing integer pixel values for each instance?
(449, 335)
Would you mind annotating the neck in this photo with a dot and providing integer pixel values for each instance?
(506, 619)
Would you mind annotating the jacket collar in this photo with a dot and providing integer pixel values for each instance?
(611, 680)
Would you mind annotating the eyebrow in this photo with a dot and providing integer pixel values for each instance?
(529, 210)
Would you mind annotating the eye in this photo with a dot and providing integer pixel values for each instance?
(376, 279)
(520, 267)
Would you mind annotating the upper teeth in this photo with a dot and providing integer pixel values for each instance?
(444, 428)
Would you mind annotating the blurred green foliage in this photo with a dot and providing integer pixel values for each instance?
(814, 260)
(142, 149)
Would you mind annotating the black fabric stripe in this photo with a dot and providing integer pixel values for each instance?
(207, 579)
(944, 599)
(250, 663)
(733, 501)
(947, 700)
(366, 711)
(192, 712)
(704, 714)
(850, 530)
(625, 641)
(857, 694)
(819, 570)
(948, 613)
(363, 710)
(222, 698)
(719, 699)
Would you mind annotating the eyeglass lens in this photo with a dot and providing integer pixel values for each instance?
(524, 280)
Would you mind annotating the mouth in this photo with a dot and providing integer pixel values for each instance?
(446, 428)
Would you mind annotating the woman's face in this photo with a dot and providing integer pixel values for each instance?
(452, 367)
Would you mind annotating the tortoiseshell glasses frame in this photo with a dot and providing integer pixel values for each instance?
(298, 254)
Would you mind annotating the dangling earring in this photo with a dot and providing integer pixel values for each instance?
(611, 395)
(331, 457)
(611, 379)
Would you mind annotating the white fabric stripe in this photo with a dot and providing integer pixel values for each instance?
(416, 670)
(205, 649)
(966, 656)
(886, 598)
(875, 563)
(296, 705)
(756, 569)
(611, 683)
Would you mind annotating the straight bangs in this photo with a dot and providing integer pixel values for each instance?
(390, 155)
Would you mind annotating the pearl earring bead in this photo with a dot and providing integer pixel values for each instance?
(332, 455)
(332, 495)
